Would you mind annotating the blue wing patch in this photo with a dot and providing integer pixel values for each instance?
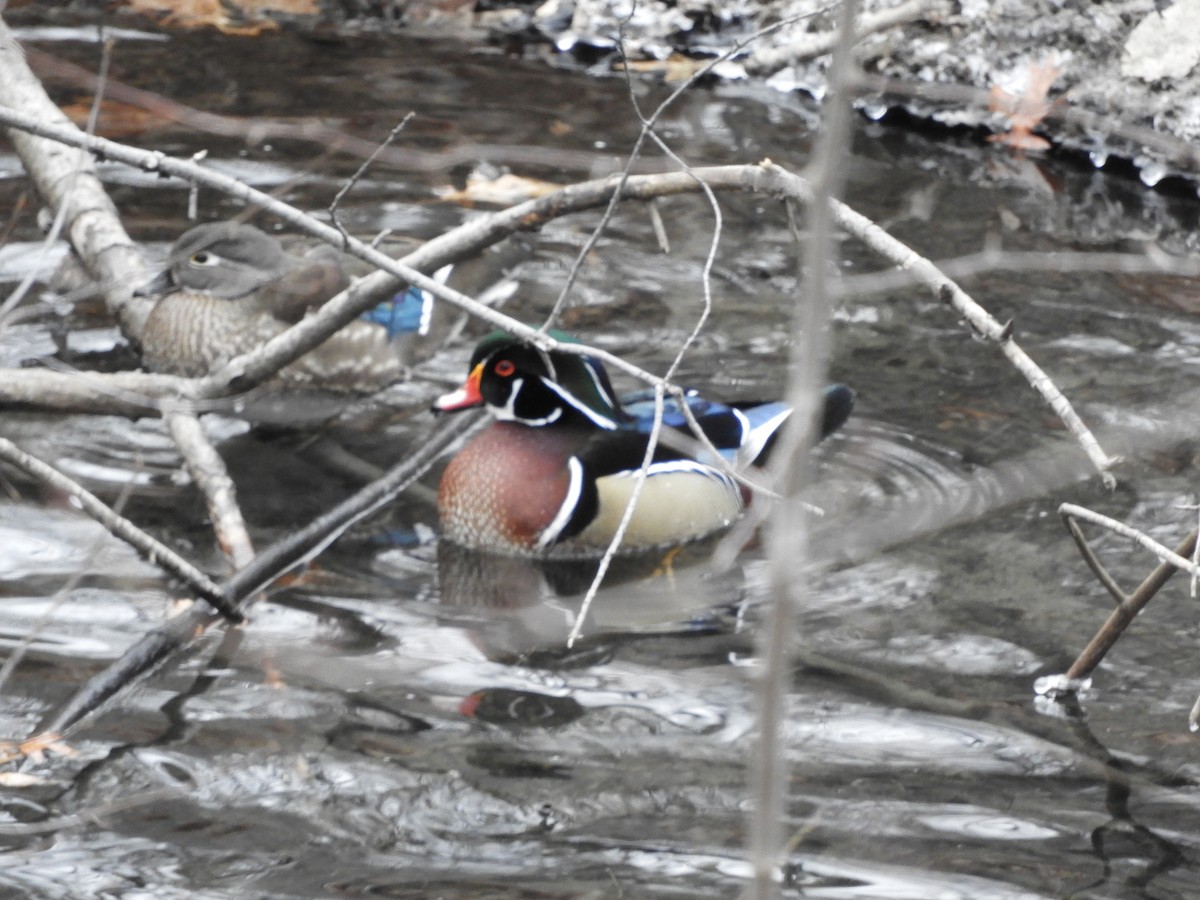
(405, 313)
(408, 312)
(743, 432)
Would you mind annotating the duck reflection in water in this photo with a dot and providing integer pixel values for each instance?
(529, 606)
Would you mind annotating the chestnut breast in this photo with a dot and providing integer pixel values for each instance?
(503, 489)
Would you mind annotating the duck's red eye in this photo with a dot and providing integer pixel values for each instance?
(504, 368)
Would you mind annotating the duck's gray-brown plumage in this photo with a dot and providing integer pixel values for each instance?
(228, 288)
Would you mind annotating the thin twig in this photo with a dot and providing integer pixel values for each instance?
(1093, 561)
(647, 130)
(360, 172)
(705, 312)
(1084, 514)
(626, 517)
(787, 538)
(660, 229)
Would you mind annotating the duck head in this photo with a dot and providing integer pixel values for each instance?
(520, 382)
(223, 259)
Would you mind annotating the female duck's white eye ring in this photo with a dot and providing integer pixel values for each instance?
(204, 258)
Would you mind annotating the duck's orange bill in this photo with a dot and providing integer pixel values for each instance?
(465, 397)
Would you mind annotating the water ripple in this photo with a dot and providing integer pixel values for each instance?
(879, 486)
(987, 825)
(846, 735)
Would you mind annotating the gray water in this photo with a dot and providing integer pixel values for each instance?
(400, 724)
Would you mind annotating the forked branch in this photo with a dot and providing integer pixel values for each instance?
(1128, 605)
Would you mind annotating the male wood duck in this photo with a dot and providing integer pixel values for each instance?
(229, 287)
(551, 477)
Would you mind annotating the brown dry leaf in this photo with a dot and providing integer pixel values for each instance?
(1172, 738)
(1026, 110)
(674, 68)
(290, 7)
(19, 780)
(116, 119)
(272, 676)
(1177, 293)
(215, 13)
(505, 190)
(969, 413)
(39, 745)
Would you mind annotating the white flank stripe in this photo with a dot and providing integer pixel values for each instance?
(687, 467)
(690, 466)
(563, 516)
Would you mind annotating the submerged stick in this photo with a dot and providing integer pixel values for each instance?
(158, 645)
(154, 551)
(1126, 612)
(209, 473)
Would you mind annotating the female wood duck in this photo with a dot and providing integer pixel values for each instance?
(553, 474)
(228, 288)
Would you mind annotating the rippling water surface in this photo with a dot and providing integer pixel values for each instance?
(401, 721)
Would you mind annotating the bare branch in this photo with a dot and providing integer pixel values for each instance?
(1091, 559)
(1070, 511)
(1125, 613)
(156, 647)
(765, 177)
(208, 471)
(787, 538)
(132, 394)
(66, 181)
